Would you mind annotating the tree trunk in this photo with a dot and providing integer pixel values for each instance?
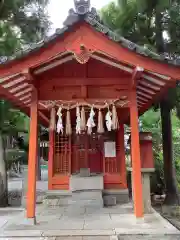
(3, 176)
(172, 197)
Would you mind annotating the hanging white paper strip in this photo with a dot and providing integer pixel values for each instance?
(78, 120)
(60, 123)
(90, 122)
(109, 120)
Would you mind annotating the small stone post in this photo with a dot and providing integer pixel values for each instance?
(146, 173)
(147, 168)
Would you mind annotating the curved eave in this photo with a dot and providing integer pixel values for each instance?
(150, 86)
(16, 85)
(90, 36)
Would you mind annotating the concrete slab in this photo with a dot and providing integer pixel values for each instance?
(69, 238)
(46, 219)
(74, 233)
(101, 218)
(21, 233)
(97, 226)
(3, 222)
(119, 209)
(135, 237)
(149, 237)
(97, 238)
(29, 238)
(69, 221)
(74, 211)
(52, 211)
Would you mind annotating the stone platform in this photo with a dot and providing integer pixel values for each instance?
(104, 223)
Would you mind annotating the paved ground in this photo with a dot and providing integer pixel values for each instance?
(89, 221)
(82, 223)
(138, 237)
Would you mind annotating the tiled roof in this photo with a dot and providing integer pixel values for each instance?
(91, 17)
(17, 87)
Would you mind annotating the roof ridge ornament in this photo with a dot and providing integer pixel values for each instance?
(82, 7)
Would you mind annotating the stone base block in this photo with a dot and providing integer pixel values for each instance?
(88, 198)
(39, 199)
(85, 172)
(29, 221)
(109, 201)
(78, 183)
(121, 195)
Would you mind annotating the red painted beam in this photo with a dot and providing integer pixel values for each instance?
(156, 99)
(4, 94)
(123, 82)
(137, 73)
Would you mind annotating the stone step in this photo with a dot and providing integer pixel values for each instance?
(58, 201)
(87, 194)
(88, 198)
(87, 203)
(80, 198)
(57, 198)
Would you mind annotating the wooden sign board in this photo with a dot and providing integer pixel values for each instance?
(110, 149)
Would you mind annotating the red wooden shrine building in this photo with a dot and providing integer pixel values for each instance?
(86, 66)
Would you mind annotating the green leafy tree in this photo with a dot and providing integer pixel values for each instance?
(151, 121)
(145, 22)
(22, 22)
(11, 123)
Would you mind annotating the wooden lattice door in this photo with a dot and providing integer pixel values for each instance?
(95, 153)
(87, 153)
(62, 159)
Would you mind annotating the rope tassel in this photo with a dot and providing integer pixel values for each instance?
(53, 119)
(115, 123)
(68, 123)
(83, 119)
(100, 128)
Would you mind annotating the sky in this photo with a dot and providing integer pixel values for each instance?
(58, 10)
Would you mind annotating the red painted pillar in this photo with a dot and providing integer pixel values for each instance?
(51, 147)
(135, 155)
(32, 160)
(121, 154)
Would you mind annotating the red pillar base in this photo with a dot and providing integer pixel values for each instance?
(30, 221)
